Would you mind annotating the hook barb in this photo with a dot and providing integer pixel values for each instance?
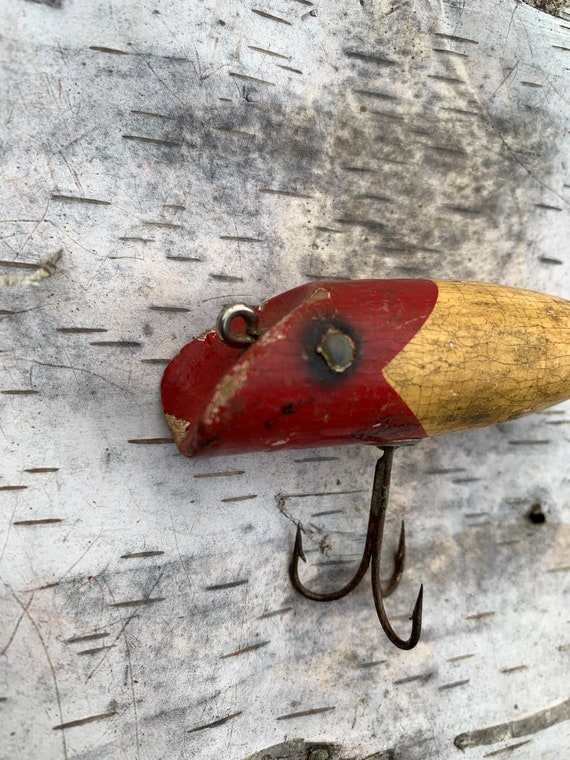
(371, 554)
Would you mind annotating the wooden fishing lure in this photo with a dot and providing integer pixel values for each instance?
(369, 361)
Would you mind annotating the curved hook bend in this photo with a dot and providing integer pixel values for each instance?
(317, 596)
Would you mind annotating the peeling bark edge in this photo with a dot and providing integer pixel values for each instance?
(512, 729)
(44, 269)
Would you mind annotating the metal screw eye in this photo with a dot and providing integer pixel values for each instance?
(224, 325)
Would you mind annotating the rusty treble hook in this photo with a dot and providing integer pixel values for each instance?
(372, 555)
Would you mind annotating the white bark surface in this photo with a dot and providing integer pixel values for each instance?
(185, 154)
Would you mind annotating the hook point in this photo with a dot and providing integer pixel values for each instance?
(298, 549)
(418, 606)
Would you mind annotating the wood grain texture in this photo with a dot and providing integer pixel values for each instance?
(183, 155)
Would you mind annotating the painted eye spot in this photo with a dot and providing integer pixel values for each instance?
(337, 349)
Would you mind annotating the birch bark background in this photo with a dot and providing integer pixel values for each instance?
(181, 155)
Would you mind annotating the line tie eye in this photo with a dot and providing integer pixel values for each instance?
(224, 325)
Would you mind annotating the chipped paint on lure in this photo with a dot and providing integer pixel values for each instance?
(383, 362)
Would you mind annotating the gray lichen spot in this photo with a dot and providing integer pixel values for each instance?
(298, 749)
(553, 7)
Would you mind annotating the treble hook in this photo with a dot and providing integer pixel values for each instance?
(371, 555)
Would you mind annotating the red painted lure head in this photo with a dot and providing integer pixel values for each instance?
(313, 377)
